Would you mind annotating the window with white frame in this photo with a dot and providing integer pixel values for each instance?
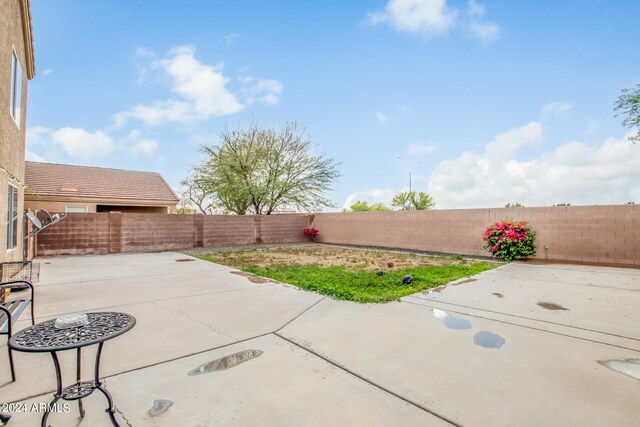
(76, 209)
(15, 103)
(12, 217)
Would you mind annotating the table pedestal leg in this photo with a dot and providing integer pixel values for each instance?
(78, 377)
(80, 408)
(58, 393)
(111, 410)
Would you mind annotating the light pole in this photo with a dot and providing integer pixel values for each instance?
(409, 170)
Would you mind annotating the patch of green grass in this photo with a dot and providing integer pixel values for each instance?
(359, 285)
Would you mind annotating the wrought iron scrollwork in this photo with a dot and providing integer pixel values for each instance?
(101, 327)
(78, 391)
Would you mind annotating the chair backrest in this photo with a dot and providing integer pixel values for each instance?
(15, 270)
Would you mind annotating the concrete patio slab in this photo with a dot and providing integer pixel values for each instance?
(67, 269)
(284, 386)
(170, 324)
(535, 378)
(584, 275)
(515, 293)
(415, 362)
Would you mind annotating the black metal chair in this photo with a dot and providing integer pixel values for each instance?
(16, 270)
(11, 310)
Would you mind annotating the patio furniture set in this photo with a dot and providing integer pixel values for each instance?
(56, 335)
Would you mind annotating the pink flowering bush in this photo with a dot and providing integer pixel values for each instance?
(510, 240)
(311, 233)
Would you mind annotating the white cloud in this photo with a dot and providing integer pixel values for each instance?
(260, 90)
(230, 38)
(554, 109)
(486, 32)
(142, 147)
(143, 52)
(475, 9)
(381, 117)
(435, 17)
(37, 135)
(375, 196)
(574, 172)
(33, 157)
(83, 145)
(200, 89)
(420, 149)
(416, 16)
(592, 126)
(47, 71)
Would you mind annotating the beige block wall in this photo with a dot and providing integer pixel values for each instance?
(595, 234)
(101, 233)
(12, 138)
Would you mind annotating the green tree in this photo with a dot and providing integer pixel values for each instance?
(631, 203)
(514, 205)
(360, 206)
(198, 193)
(413, 201)
(628, 106)
(363, 206)
(256, 170)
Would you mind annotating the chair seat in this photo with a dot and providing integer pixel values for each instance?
(15, 307)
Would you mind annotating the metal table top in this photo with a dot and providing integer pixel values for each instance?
(45, 337)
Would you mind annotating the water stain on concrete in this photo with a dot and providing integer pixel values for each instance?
(226, 362)
(185, 260)
(462, 282)
(159, 406)
(451, 322)
(551, 306)
(428, 295)
(488, 339)
(253, 278)
(629, 367)
(431, 293)
(498, 294)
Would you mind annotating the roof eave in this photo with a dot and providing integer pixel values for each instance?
(27, 30)
(35, 196)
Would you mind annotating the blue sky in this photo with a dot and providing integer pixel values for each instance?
(487, 102)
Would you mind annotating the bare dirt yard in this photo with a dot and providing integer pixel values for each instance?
(362, 275)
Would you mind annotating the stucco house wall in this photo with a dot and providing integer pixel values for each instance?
(14, 36)
(92, 206)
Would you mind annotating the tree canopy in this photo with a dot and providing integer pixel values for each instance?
(364, 206)
(256, 170)
(628, 106)
(413, 201)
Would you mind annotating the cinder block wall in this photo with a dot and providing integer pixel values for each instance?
(75, 235)
(102, 233)
(153, 232)
(596, 234)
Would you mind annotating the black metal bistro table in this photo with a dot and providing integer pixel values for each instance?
(46, 338)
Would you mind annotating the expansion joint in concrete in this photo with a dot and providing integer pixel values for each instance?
(370, 382)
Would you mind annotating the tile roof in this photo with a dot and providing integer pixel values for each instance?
(50, 179)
